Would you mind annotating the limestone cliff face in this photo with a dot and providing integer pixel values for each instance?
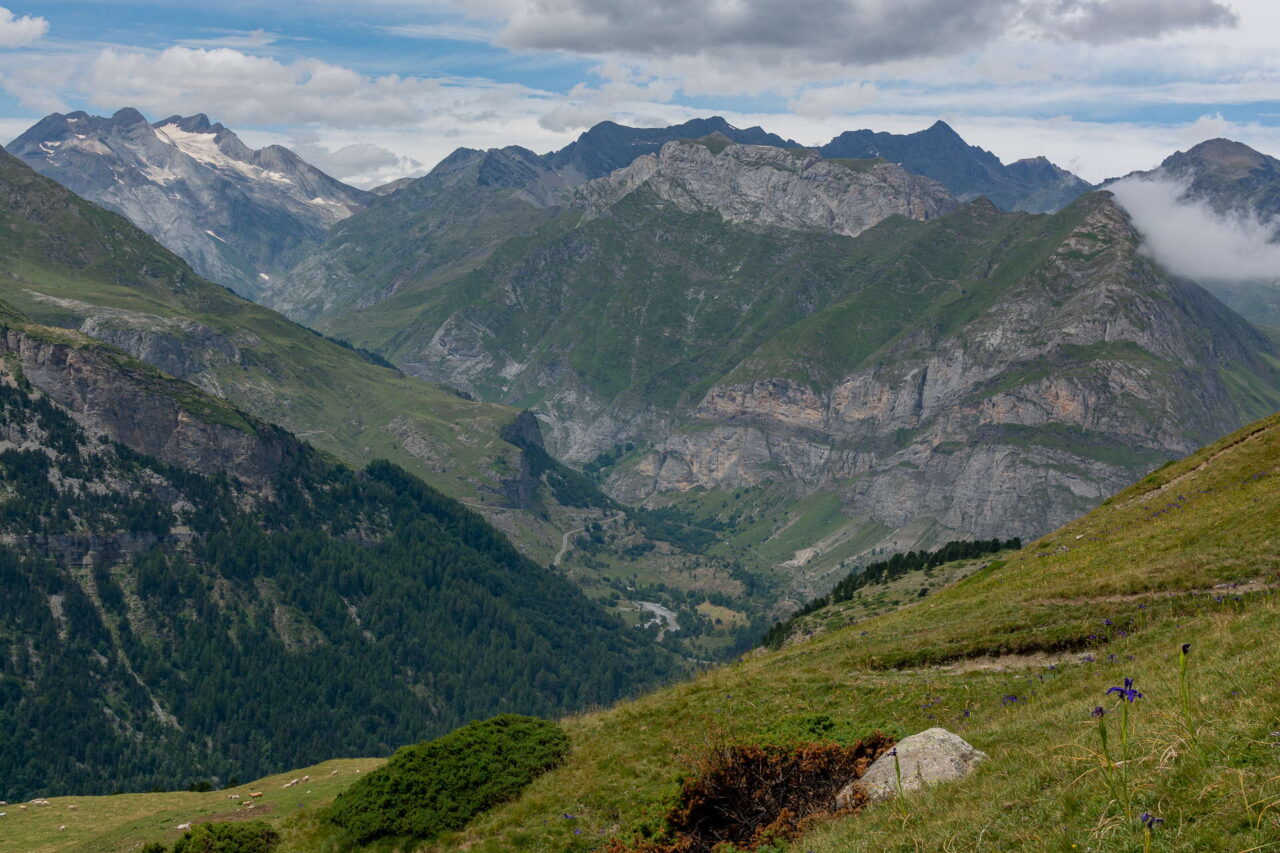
(784, 188)
(1087, 372)
(150, 413)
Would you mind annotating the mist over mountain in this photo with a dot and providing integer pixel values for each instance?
(1212, 213)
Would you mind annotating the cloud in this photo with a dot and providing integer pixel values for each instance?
(588, 105)
(17, 32)
(850, 33)
(1189, 238)
(1111, 21)
(248, 39)
(446, 31)
(362, 164)
(260, 90)
(826, 101)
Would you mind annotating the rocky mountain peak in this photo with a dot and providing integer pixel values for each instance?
(1225, 158)
(967, 171)
(126, 116)
(239, 216)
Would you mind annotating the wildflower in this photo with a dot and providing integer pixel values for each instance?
(1097, 711)
(569, 816)
(1186, 648)
(1089, 658)
(1149, 820)
(1009, 700)
(1129, 693)
(965, 714)
(1107, 622)
(893, 753)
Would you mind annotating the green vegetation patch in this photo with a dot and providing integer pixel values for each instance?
(442, 784)
(253, 837)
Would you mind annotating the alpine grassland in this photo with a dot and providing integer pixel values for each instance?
(1015, 658)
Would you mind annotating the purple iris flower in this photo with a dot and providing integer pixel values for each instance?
(1186, 648)
(1129, 693)
(1097, 711)
(1009, 700)
(1149, 820)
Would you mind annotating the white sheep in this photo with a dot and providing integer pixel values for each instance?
(186, 825)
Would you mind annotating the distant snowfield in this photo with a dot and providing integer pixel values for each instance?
(204, 147)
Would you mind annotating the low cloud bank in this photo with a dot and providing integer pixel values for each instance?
(1190, 239)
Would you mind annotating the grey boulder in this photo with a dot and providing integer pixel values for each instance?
(925, 759)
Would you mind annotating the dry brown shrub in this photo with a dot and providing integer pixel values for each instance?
(748, 795)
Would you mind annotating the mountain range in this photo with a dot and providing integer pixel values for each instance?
(735, 346)
(840, 333)
(240, 217)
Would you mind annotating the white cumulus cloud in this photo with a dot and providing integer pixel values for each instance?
(17, 32)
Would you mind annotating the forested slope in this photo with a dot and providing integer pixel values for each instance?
(231, 602)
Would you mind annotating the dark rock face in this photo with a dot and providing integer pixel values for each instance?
(1035, 185)
(1230, 176)
(239, 217)
(145, 410)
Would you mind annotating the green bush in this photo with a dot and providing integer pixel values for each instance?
(439, 785)
(253, 837)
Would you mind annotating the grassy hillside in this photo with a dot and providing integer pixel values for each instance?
(1013, 658)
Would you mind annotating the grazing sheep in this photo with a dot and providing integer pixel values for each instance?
(306, 778)
(62, 828)
(186, 825)
(72, 807)
(233, 796)
(255, 794)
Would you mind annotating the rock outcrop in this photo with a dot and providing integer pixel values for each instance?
(794, 188)
(128, 402)
(932, 757)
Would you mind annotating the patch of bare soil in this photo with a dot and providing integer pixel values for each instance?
(746, 796)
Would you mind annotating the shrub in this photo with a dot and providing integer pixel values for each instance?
(253, 837)
(439, 785)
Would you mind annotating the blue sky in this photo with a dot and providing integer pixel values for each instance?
(377, 89)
